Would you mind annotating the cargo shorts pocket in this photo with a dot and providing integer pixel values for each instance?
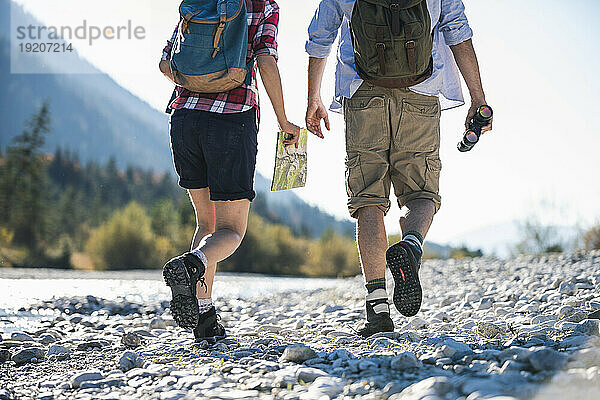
(366, 123)
(432, 174)
(355, 180)
(419, 128)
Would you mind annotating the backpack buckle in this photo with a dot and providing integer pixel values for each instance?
(410, 44)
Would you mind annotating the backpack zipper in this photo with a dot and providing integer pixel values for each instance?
(395, 10)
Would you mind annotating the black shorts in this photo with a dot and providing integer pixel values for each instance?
(215, 151)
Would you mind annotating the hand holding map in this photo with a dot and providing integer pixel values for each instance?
(290, 163)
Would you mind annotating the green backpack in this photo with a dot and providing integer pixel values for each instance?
(392, 42)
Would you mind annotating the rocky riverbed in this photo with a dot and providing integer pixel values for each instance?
(524, 328)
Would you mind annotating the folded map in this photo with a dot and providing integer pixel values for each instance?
(290, 163)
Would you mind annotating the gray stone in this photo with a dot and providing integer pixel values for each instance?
(384, 342)
(92, 344)
(488, 330)
(341, 354)
(324, 386)
(576, 317)
(547, 360)
(57, 350)
(434, 386)
(5, 395)
(589, 327)
(485, 303)
(297, 354)
(4, 355)
(417, 323)
(540, 319)
(451, 347)
(364, 365)
(404, 361)
(573, 341)
(512, 365)
(45, 396)
(86, 376)
(30, 354)
(131, 340)
(567, 288)
(172, 395)
(514, 353)
(157, 323)
(392, 388)
(21, 337)
(565, 311)
(309, 374)
(129, 360)
(47, 339)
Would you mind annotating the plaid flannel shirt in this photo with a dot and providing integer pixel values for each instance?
(263, 19)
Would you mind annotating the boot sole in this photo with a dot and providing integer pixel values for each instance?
(211, 339)
(408, 293)
(184, 305)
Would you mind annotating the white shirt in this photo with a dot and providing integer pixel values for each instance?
(450, 27)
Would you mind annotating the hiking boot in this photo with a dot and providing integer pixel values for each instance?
(381, 323)
(404, 265)
(182, 274)
(208, 327)
(378, 314)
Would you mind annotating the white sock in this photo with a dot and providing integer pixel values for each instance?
(412, 239)
(376, 299)
(198, 253)
(204, 305)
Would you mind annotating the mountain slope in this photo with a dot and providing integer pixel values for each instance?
(98, 119)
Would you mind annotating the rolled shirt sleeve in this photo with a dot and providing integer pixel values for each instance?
(323, 28)
(453, 22)
(265, 40)
(166, 53)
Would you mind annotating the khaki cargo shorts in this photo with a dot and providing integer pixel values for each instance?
(392, 138)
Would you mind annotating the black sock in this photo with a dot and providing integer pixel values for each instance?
(375, 284)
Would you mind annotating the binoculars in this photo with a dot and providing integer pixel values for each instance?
(471, 136)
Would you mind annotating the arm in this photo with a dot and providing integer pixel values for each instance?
(165, 64)
(322, 32)
(454, 26)
(316, 110)
(264, 47)
(269, 73)
(466, 59)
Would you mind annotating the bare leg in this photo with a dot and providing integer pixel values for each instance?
(419, 216)
(372, 242)
(231, 220)
(205, 225)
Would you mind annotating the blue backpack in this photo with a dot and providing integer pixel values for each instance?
(209, 53)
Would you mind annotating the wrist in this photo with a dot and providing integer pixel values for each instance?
(314, 98)
(478, 98)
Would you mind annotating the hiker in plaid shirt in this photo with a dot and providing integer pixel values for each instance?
(214, 145)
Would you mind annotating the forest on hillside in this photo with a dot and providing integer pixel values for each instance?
(56, 211)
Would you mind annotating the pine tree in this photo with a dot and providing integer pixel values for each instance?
(24, 183)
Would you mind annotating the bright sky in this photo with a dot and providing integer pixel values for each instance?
(539, 62)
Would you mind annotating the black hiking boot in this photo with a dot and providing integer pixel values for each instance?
(381, 323)
(376, 322)
(182, 274)
(404, 265)
(208, 327)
